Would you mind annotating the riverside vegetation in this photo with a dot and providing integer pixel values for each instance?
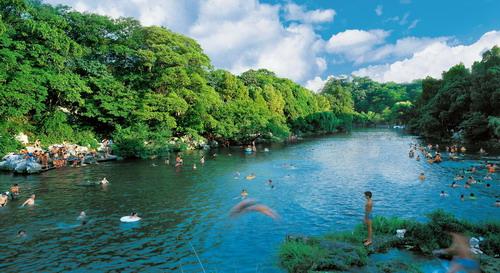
(341, 251)
(78, 77)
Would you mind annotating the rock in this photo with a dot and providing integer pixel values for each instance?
(21, 137)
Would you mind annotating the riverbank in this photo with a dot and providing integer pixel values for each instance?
(344, 251)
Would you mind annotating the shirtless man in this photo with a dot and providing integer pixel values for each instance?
(421, 176)
(463, 259)
(30, 201)
(244, 194)
(368, 217)
(4, 198)
(14, 191)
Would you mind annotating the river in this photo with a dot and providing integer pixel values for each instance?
(319, 185)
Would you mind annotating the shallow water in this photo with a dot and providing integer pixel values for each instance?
(319, 187)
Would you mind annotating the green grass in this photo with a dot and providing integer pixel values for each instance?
(338, 251)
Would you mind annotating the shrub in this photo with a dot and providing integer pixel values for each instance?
(297, 257)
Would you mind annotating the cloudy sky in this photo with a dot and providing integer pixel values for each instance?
(309, 40)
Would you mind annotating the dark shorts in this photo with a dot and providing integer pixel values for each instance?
(368, 216)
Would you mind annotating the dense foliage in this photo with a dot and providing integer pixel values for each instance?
(373, 102)
(465, 103)
(73, 76)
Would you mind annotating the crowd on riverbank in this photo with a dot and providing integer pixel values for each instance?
(35, 159)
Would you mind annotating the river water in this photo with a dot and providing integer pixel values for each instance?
(319, 185)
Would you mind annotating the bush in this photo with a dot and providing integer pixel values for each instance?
(298, 257)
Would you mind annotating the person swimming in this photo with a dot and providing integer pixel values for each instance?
(459, 177)
(462, 197)
(270, 183)
(104, 181)
(14, 191)
(82, 216)
(417, 158)
(497, 203)
(21, 234)
(454, 185)
(30, 201)
(194, 166)
(202, 160)
(134, 216)
(443, 194)
(4, 198)
(244, 194)
(421, 176)
(178, 161)
(472, 196)
(488, 185)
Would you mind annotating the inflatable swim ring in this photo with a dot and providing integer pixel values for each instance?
(129, 219)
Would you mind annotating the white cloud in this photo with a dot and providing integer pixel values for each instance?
(355, 43)
(315, 84)
(294, 12)
(379, 10)
(431, 60)
(236, 34)
(250, 35)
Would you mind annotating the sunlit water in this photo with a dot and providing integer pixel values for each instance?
(319, 187)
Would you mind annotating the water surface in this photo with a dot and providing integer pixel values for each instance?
(319, 187)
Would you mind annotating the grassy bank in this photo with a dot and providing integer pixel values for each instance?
(342, 251)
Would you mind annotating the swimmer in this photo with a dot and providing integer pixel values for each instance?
(82, 216)
(482, 151)
(154, 165)
(459, 177)
(421, 176)
(21, 234)
(202, 160)
(462, 198)
(472, 196)
(497, 203)
(488, 185)
(4, 198)
(30, 201)
(167, 161)
(178, 161)
(417, 158)
(14, 191)
(244, 194)
(488, 177)
(454, 185)
(104, 181)
(194, 166)
(134, 216)
(270, 183)
(251, 176)
(443, 194)
(463, 150)
(471, 180)
(467, 185)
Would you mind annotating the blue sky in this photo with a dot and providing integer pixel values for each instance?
(311, 40)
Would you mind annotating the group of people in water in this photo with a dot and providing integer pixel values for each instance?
(452, 152)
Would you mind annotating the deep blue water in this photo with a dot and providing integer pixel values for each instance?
(319, 185)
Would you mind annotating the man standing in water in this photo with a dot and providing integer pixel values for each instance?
(368, 217)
